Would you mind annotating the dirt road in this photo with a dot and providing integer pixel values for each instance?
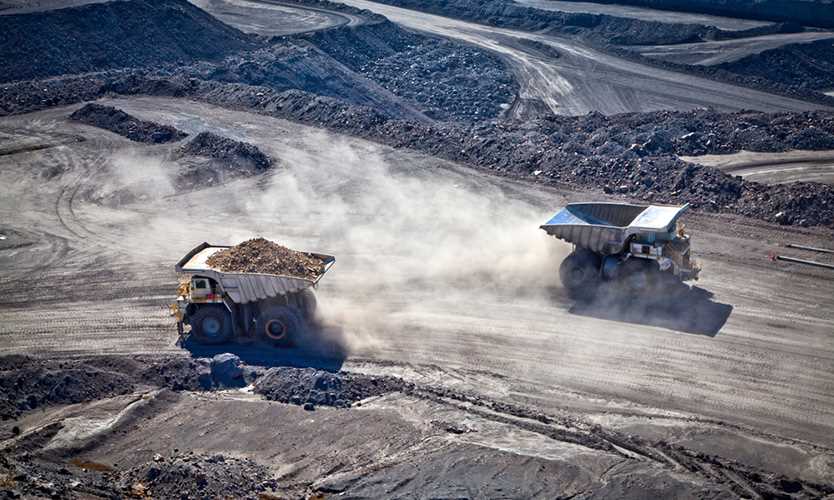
(644, 13)
(725, 51)
(442, 276)
(774, 168)
(274, 18)
(583, 79)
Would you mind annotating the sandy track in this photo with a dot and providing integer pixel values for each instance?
(644, 13)
(774, 168)
(725, 51)
(274, 18)
(442, 275)
(584, 79)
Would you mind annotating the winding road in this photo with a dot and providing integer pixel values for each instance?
(583, 79)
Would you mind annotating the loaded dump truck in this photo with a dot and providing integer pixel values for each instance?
(220, 306)
(638, 245)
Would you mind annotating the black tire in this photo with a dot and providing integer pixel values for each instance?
(579, 273)
(211, 325)
(279, 325)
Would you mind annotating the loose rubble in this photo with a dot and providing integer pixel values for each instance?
(198, 476)
(309, 387)
(259, 255)
(235, 155)
(116, 120)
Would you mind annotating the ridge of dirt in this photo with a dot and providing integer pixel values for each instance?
(633, 154)
(259, 255)
(235, 154)
(119, 122)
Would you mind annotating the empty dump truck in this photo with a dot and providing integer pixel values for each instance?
(221, 306)
(634, 244)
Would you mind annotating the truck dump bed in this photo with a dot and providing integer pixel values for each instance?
(606, 227)
(246, 287)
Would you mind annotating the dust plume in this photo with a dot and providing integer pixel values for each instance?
(404, 235)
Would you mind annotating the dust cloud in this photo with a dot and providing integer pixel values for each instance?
(409, 233)
(404, 234)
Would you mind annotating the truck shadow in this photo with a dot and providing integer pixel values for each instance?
(322, 348)
(685, 309)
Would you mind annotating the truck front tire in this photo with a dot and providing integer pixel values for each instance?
(211, 325)
(580, 273)
(279, 325)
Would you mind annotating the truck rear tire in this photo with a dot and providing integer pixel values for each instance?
(279, 325)
(211, 325)
(579, 273)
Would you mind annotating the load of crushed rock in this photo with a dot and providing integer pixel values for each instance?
(236, 153)
(119, 122)
(259, 255)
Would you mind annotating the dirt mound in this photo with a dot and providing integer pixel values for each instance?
(311, 387)
(196, 476)
(803, 65)
(26, 384)
(259, 255)
(122, 34)
(446, 80)
(119, 122)
(236, 153)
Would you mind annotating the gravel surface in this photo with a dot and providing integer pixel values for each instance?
(262, 256)
(115, 120)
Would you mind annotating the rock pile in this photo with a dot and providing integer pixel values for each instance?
(236, 154)
(311, 387)
(119, 122)
(259, 255)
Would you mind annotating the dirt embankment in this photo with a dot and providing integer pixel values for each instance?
(801, 65)
(375, 64)
(31, 466)
(445, 79)
(631, 154)
(100, 36)
(119, 122)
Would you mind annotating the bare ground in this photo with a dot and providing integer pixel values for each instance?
(738, 367)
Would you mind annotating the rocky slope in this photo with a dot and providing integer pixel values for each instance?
(94, 37)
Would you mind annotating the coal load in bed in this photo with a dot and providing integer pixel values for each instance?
(259, 255)
(119, 122)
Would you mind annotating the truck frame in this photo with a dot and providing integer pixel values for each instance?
(222, 306)
(630, 243)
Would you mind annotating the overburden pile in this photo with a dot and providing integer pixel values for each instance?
(228, 151)
(119, 122)
(259, 255)
(95, 37)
